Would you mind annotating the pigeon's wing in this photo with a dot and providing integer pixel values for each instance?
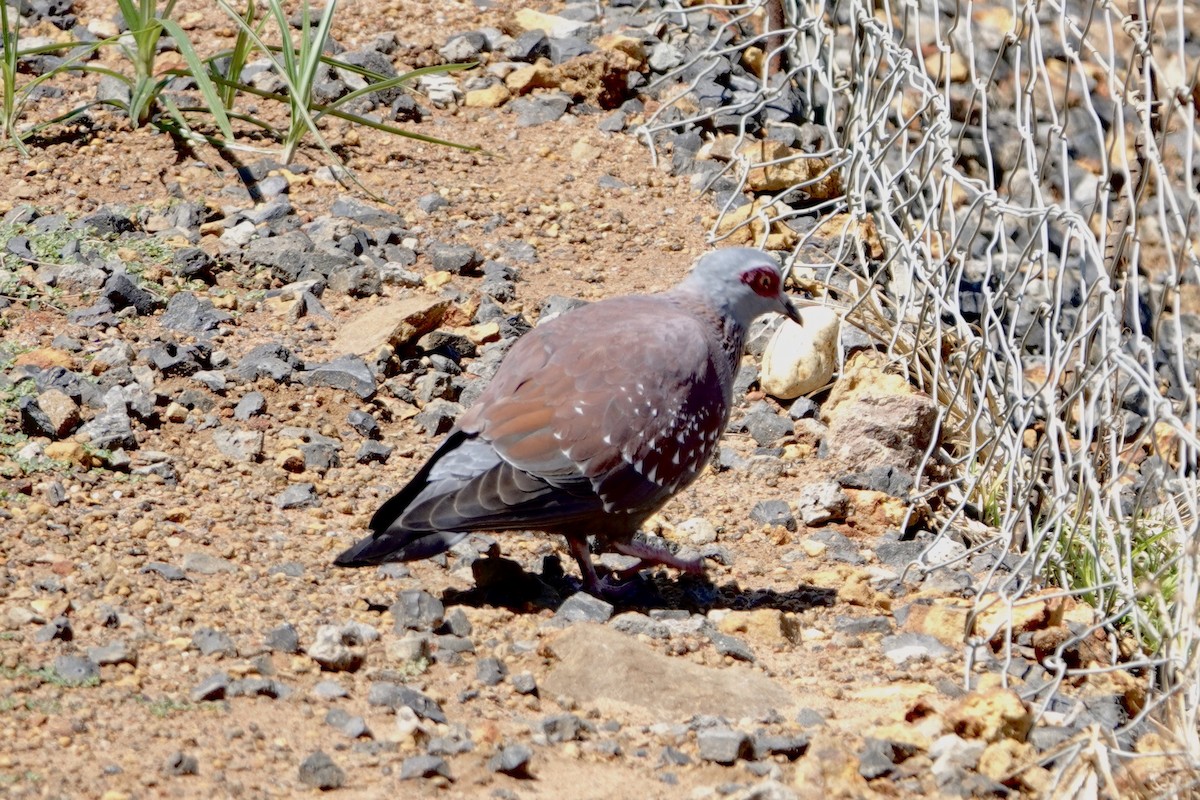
(625, 398)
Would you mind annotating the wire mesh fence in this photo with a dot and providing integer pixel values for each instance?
(1005, 196)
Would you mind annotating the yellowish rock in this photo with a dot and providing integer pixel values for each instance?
(800, 359)
(754, 224)
(767, 625)
(583, 151)
(945, 620)
(991, 714)
(1002, 759)
(290, 459)
(391, 324)
(493, 96)
(782, 167)
(627, 45)
(70, 452)
(535, 76)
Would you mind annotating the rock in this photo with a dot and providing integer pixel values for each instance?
(298, 495)
(271, 360)
(731, 646)
(417, 610)
(353, 727)
(110, 430)
(990, 715)
(773, 512)
(583, 607)
(394, 696)
(348, 373)
(879, 757)
(875, 418)
(650, 685)
(334, 650)
(121, 292)
(540, 109)
(723, 745)
(194, 264)
(765, 426)
(189, 314)
(390, 324)
(431, 202)
(437, 417)
(168, 571)
(818, 503)
(214, 687)
(490, 671)
(283, 639)
(76, 670)
(363, 424)
(769, 626)
(524, 683)
(512, 760)
(239, 445)
(61, 412)
(118, 652)
(371, 452)
(553, 26)
(205, 564)
(213, 642)
(319, 772)
(251, 405)
(903, 647)
(559, 728)
(423, 767)
(180, 763)
(528, 47)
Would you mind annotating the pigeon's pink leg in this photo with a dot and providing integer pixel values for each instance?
(651, 555)
(583, 556)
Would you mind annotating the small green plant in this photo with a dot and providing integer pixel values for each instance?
(165, 707)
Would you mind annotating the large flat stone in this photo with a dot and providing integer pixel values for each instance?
(601, 666)
(390, 324)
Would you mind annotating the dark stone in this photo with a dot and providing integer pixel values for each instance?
(512, 760)
(173, 359)
(528, 47)
(123, 293)
(363, 423)
(107, 222)
(180, 763)
(583, 607)
(773, 512)
(431, 202)
(567, 47)
(731, 646)
(76, 669)
(298, 495)
(394, 695)
(790, 746)
(258, 687)
(271, 360)
(110, 430)
(886, 479)
(372, 452)
(214, 687)
(723, 745)
(490, 671)
(766, 427)
(348, 373)
(524, 683)
(539, 109)
(168, 571)
(559, 728)
(283, 639)
(34, 420)
(417, 610)
(879, 757)
(192, 263)
(455, 258)
(423, 767)
(253, 404)
(319, 772)
(352, 726)
(189, 314)
(212, 642)
(350, 208)
(437, 417)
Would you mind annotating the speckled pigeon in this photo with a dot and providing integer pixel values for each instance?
(594, 420)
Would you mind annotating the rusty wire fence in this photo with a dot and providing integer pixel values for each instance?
(1005, 197)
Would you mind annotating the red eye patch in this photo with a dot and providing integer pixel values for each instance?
(763, 280)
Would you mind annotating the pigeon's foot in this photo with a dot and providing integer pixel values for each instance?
(652, 554)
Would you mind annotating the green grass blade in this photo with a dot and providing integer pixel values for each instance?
(200, 75)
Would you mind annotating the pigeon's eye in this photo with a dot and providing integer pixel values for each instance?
(763, 281)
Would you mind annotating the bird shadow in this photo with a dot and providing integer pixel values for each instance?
(503, 583)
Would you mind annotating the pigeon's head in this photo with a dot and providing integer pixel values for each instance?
(740, 283)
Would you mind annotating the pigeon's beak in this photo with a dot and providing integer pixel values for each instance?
(789, 309)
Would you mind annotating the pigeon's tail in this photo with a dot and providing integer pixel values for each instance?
(397, 545)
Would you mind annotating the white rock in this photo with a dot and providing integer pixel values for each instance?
(801, 358)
